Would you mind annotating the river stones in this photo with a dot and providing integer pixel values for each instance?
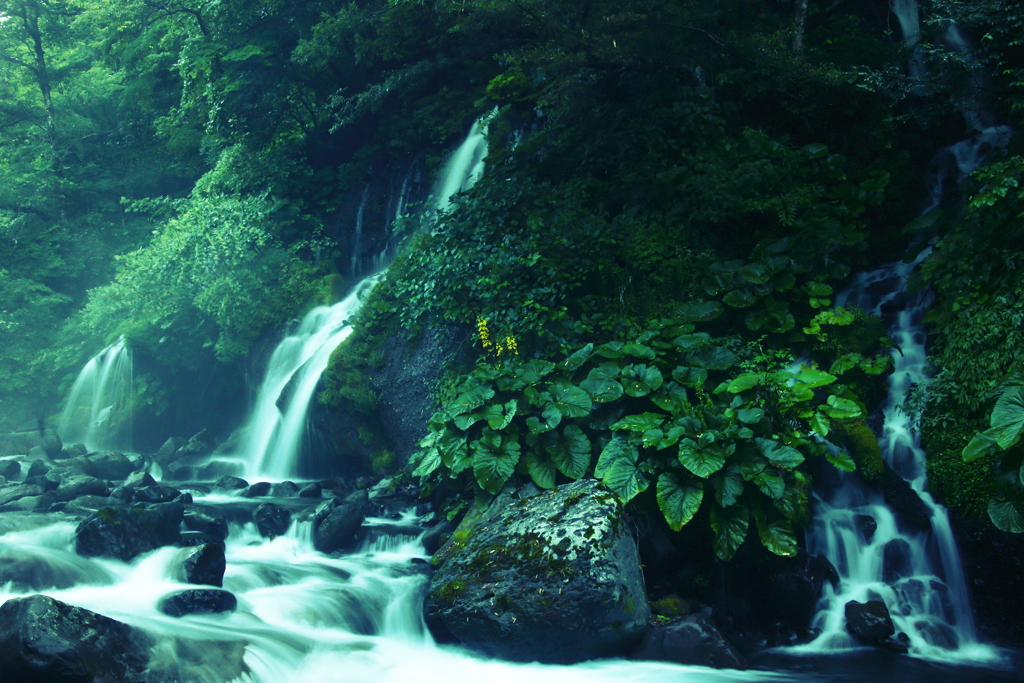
(42, 639)
(271, 520)
(124, 533)
(204, 564)
(869, 621)
(197, 601)
(206, 520)
(554, 578)
(157, 493)
(229, 483)
(257, 490)
(690, 640)
(111, 465)
(81, 485)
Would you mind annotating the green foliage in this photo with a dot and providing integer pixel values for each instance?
(674, 407)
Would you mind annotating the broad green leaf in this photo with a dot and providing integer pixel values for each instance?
(740, 298)
(640, 423)
(541, 469)
(730, 526)
(500, 416)
(815, 378)
(750, 464)
(578, 358)
(533, 370)
(755, 273)
(776, 535)
(639, 351)
(679, 501)
(612, 349)
(981, 444)
(623, 476)
(702, 462)
(430, 461)
(602, 390)
(689, 376)
(494, 460)
(839, 407)
(605, 370)
(728, 486)
(841, 460)
(712, 358)
(613, 450)
(551, 417)
(1007, 515)
(750, 415)
(467, 420)
(771, 485)
(671, 397)
(815, 151)
(570, 400)
(820, 423)
(779, 454)
(454, 451)
(471, 400)
(703, 311)
(745, 381)
(1007, 421)
(692, 341)
(571, 452)
(640, 380)
(691, 426)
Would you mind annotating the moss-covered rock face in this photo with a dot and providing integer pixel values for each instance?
(553, 578)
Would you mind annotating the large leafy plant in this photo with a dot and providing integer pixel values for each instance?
(1006, 426)
(699, 417)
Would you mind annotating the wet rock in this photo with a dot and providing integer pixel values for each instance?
(896, 560)
(204, 564)
(115, 466)
(191, 539)
(553, 578)
(200, 444)
(10, 469)
(229, 483)
(437, 536)
(183, 498)
(168, 450)
(206, 520)
(41, 503)
(257, 490)
(38, 468)
(14, 492)
(197, 601)
(139, 479)
(79, 465)
(124, 533)
(690, 640)
(911, 512)
(938, 634)
(157, 493)
(52, 443)
(86, 505)
(339, 528)
(81, 485)
(271, 520)
(42, 639)
(284, 489)
(866, 525)
(869, 621)
(74, 451)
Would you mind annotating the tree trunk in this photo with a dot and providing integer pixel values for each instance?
(800, 22)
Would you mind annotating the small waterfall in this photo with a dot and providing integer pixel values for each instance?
(273, 433)
(917, 574)
(357, 238)
(98, 409)
(910, 24)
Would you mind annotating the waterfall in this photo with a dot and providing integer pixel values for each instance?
(907, 14)
(357, 238)
(273, 433)
(98, 409)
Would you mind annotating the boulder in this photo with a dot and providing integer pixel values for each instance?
(139, 479)
(123, 533)
(206, 520)
(200, 444)
(13, 492)
(42, 639)
(553, 578)
(38, 468)
(869, 621)
(158, 493)
(51, 443)
(197, 601)
(86, 505)
(191, 539)
(311, 490)
(41, 503)
(81, 485)
(111, 465)
(229, 483)
(271, 520)
(12, 468)
(284, 489)
(257, 490)
(897, 560)
(339, 528)
(204, 564)
(690, 640)
(866, 525)
(167, 452)
(911, 512)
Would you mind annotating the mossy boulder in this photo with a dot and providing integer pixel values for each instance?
(553, 578)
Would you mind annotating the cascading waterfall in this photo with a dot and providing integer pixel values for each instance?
(916, 573)
(100, 401)
(273, 434)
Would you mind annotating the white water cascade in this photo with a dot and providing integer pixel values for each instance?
(272, 437)
(100, 401)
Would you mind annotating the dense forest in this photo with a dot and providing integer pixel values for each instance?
(674, 194)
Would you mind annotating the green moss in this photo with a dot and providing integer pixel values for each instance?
(670, 606)
(861, 442)
(383, 462)
(964, 487)
(450, 591)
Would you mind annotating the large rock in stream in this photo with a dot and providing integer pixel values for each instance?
(553, 578)
(42, 639)
(123, 533)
